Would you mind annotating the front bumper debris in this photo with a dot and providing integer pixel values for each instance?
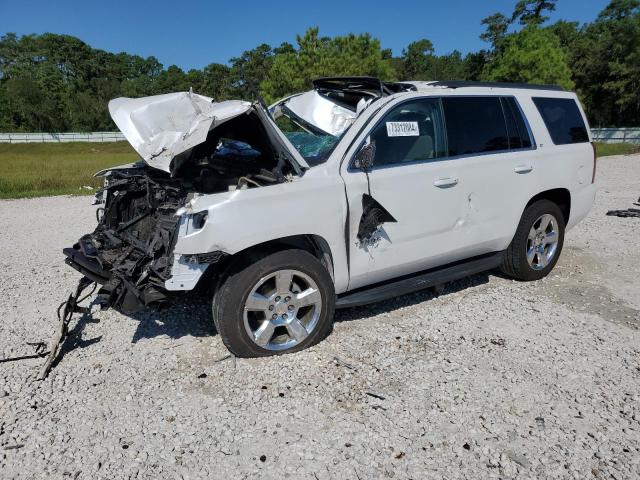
(86, 266)
(65, 312)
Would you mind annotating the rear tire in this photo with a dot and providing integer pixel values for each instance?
(537, 244)
(274, 303)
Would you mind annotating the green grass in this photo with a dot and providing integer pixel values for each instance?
(606, 149)
(40, 169)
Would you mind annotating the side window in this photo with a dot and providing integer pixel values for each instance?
(516, 128)
(474, 125)
(563, 120)
(410, 132)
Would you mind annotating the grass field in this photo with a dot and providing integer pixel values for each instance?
(41, 169)
(606, 149)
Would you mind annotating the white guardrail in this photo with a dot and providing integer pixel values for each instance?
(606, 135)
(616, 135)
(61, 137)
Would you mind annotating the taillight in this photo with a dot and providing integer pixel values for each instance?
(593, 176)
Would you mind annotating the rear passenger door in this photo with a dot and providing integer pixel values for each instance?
(491, 145)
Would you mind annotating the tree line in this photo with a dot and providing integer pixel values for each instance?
(59, 83)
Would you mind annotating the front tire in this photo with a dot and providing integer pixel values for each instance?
(537, 244)
(276, 303)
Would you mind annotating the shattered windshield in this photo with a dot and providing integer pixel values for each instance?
(315, 147)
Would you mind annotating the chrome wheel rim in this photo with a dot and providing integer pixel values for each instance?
(542, 242)
(282, 309)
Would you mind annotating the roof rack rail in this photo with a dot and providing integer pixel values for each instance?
(469, 83)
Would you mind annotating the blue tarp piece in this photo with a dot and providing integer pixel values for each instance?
(235, 148)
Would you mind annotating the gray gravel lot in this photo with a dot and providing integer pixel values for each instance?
(489, 379)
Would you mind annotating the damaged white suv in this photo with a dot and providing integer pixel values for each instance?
(353, 192)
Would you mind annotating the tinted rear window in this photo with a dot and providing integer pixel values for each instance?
(474, 125)
(563, 120)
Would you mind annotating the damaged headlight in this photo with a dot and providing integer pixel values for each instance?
(194, 221)
(191, 222)
(199, 219)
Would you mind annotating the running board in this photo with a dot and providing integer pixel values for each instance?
(418, 281)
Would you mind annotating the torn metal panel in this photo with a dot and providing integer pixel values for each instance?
(373, 216)
(334, 103)
(362, 85)
(162, 126)
(185, 273)
(312, 109)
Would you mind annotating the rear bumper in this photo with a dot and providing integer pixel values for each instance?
(581, 203)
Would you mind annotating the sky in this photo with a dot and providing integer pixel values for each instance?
(195, 33)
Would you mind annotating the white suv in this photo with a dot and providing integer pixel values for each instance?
(353, 192)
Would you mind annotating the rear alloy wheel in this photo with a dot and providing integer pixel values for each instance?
(277, 303)
(542, 242)
(537, 244)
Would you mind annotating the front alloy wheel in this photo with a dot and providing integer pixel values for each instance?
(274, 303)
(282, 309)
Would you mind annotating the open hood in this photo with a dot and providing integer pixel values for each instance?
(162, 127)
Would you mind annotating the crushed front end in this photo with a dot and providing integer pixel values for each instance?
(189, 146)
(130, 253)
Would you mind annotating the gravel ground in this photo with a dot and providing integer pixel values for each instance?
(487, 378)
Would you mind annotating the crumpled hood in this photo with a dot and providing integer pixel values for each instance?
(163, 126)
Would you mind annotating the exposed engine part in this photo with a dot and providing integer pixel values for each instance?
(244, 181)
(134, 239)
(130, 253)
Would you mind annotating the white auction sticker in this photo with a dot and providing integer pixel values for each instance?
(402, 129)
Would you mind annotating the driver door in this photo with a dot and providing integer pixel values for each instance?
(416, 199)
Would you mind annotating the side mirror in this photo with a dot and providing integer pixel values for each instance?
(364, 158)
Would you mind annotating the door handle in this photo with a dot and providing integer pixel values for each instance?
(523, 168)
(446, 182)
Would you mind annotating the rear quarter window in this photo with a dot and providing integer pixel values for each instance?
(563, 120)
(516, 127)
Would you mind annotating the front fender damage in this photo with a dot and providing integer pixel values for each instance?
(190, 147)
